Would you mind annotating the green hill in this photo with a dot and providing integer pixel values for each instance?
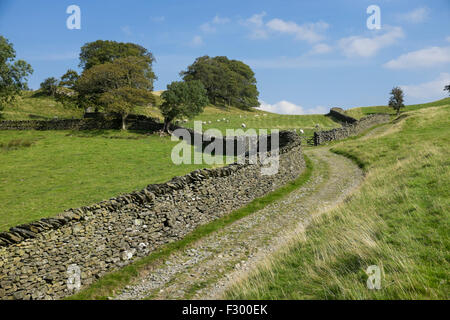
(398, 220)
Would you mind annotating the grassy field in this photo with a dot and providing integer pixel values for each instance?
(398, 220)
(43, 173)
(29, 106)
(360, 112)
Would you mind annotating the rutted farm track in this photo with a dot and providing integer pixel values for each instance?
(207, 267)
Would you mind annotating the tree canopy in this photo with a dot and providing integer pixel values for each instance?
(13, 74)
(102, 51)
(183, 99)
(447, 88)
(396, 99)
(69, 79)
(228, 82)
(116, 86)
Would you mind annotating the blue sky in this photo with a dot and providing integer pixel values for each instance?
(308, 56)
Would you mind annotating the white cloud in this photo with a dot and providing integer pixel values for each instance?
(321, 48)
(256, 24)
(219, 20)
(126, 30)
(286, 107)
(366, 47)
(207, 28)
(415, 16)
(210, 26)
(196, 41)
(310, 32)
(431, 90)
(282, 107)
(427, 57)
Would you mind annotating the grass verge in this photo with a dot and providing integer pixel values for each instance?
(108, 284)
(398, 220)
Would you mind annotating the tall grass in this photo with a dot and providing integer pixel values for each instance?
(398, 220)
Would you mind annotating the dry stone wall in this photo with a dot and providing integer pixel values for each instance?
(340, 115)
(133, 122)
(353, 129)
(35, 257)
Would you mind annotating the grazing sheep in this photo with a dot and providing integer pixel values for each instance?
(185, 120)
(218, 120)
(243, 125)
(209, 122)
(224, 119)
(301, 131)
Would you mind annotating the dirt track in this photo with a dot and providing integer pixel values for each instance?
(207, 267)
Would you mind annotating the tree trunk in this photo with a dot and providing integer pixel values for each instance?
(124, 117)
(166, 126)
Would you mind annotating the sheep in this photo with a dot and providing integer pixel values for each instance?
(243, 125)
(218, 120)
(301, 131)
(209, 122)
(224, 119)
(185, 120)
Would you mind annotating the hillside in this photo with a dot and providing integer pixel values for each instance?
(360, 112)
(398, 220)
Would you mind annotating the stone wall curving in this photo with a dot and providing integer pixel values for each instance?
(35, 257)
(353, 129)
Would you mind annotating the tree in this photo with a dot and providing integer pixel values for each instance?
(101, 51)
(447, 88)
(13, 74)
(116, 86)
(49, 86)
(228, 82)
(396, 99)
(183, 99)
(69, 79)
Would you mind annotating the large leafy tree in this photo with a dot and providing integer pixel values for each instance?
(117, 86)
(102, 51)
(183, 99)
(13, 74)
(396, 99)
(228, 82)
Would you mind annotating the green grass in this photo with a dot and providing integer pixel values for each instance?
(398, 220)
(360, 112)
(30, 106)
(43, 173)
(110, 283)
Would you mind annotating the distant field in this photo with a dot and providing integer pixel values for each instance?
(29, 107)
(398, 220)
(43, 173)
(360, 112)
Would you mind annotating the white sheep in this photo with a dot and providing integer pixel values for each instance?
(301, 131)
(224, 119)
(243, 125)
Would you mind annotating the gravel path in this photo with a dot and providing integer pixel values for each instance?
(207, 267)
